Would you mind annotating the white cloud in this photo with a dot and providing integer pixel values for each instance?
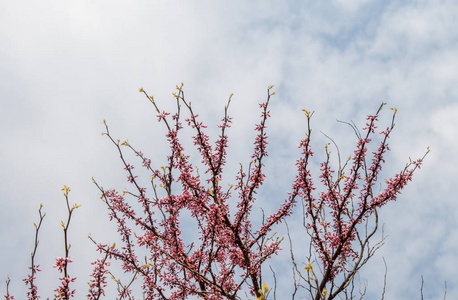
(350, 6)
(445, 123)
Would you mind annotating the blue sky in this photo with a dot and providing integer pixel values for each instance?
(65, 66)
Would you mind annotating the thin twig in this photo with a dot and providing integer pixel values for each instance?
(421, 288)
(445, 290)
(275, 282)
(384, 279)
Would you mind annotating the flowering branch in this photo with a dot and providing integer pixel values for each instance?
(8, 296)
(98, 281)
(63, 291)
(33, 289)
(333, 219)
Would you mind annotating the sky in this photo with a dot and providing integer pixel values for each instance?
(65, 66)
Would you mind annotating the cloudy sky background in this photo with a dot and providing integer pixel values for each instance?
(65, 66)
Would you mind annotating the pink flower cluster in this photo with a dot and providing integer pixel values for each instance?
(63, 290)
(32, 293)
(8, 297)
(99, 280)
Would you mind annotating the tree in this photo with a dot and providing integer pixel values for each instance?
(228, 255)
